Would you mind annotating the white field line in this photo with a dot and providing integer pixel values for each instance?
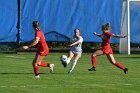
(11, 86)
(80, 84)
(133, 60)
(15, 57)
(93, 85)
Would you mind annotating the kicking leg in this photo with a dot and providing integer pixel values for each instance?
(70, 57)
(117, 64)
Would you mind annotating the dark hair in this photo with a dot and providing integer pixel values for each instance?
(35, 24)
(103, 27)
(107, 26)
(76, 30)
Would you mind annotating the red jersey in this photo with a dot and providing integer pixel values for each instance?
(106, 48)
(106, 39)
(42, 45)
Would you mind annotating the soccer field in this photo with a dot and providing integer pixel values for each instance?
(16, 75)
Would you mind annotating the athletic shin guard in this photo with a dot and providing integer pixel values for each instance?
(44, 64)
(73, 65)
(36, 70)
(94, 61)
(117, 64)
(68, 60)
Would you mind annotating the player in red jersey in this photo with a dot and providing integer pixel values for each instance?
(106, 48)
(42, 50)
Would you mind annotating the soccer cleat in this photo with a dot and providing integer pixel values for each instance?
(126, 71)
(51, 68)
(64, 64)
(37, 76)
(69, 72)
(92, 69)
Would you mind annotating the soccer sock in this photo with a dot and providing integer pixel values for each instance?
(68, 60)
(36, 70)
(117, 64)
(44, 64)
(94, 61)
(73, 65)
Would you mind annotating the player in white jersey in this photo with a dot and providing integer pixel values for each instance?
(76, 49)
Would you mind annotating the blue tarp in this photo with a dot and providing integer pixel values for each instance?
(58, 18)
(135, 22)
(8, 20)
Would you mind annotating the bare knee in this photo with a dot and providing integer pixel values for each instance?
(93, 55)
(34, 63)
(111, 59)
(112, 62)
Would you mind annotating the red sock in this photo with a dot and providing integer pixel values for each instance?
(44, 64)
(117, 64)
(94, 61)
(36, 70)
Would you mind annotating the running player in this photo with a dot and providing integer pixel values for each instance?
(106, 48)
(76, 49)
(42, 50)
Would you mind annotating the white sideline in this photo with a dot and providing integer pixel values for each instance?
(94, 85)
(15, 57)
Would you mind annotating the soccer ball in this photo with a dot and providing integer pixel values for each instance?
(63, 58)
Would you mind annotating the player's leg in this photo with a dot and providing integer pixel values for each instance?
(117, 64)
(76, 57)
(44, 64)
(36, 63)
(40, 56)
(70, 55)
(93, 59)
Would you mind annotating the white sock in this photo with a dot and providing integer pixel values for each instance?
(68, 60)
(73, 65)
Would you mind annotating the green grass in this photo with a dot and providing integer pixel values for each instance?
(16, 75)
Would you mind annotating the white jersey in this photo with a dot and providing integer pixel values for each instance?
(77, 47)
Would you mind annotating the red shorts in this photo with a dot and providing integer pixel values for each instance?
(43, 53)
(107, 50)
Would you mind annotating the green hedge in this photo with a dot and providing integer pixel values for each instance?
(12, 46)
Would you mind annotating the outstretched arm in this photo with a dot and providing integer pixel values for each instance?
(119, 36)
(32, 44)
(97, 34)
(77, 42)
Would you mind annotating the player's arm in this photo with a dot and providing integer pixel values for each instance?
(77, 42)
(32, 44)
(97, 34)
(119, 36)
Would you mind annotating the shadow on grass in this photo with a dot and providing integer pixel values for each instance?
(18, 73)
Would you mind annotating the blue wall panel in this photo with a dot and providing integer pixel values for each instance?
(8, 20)
(58, 18)
(135, 22)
